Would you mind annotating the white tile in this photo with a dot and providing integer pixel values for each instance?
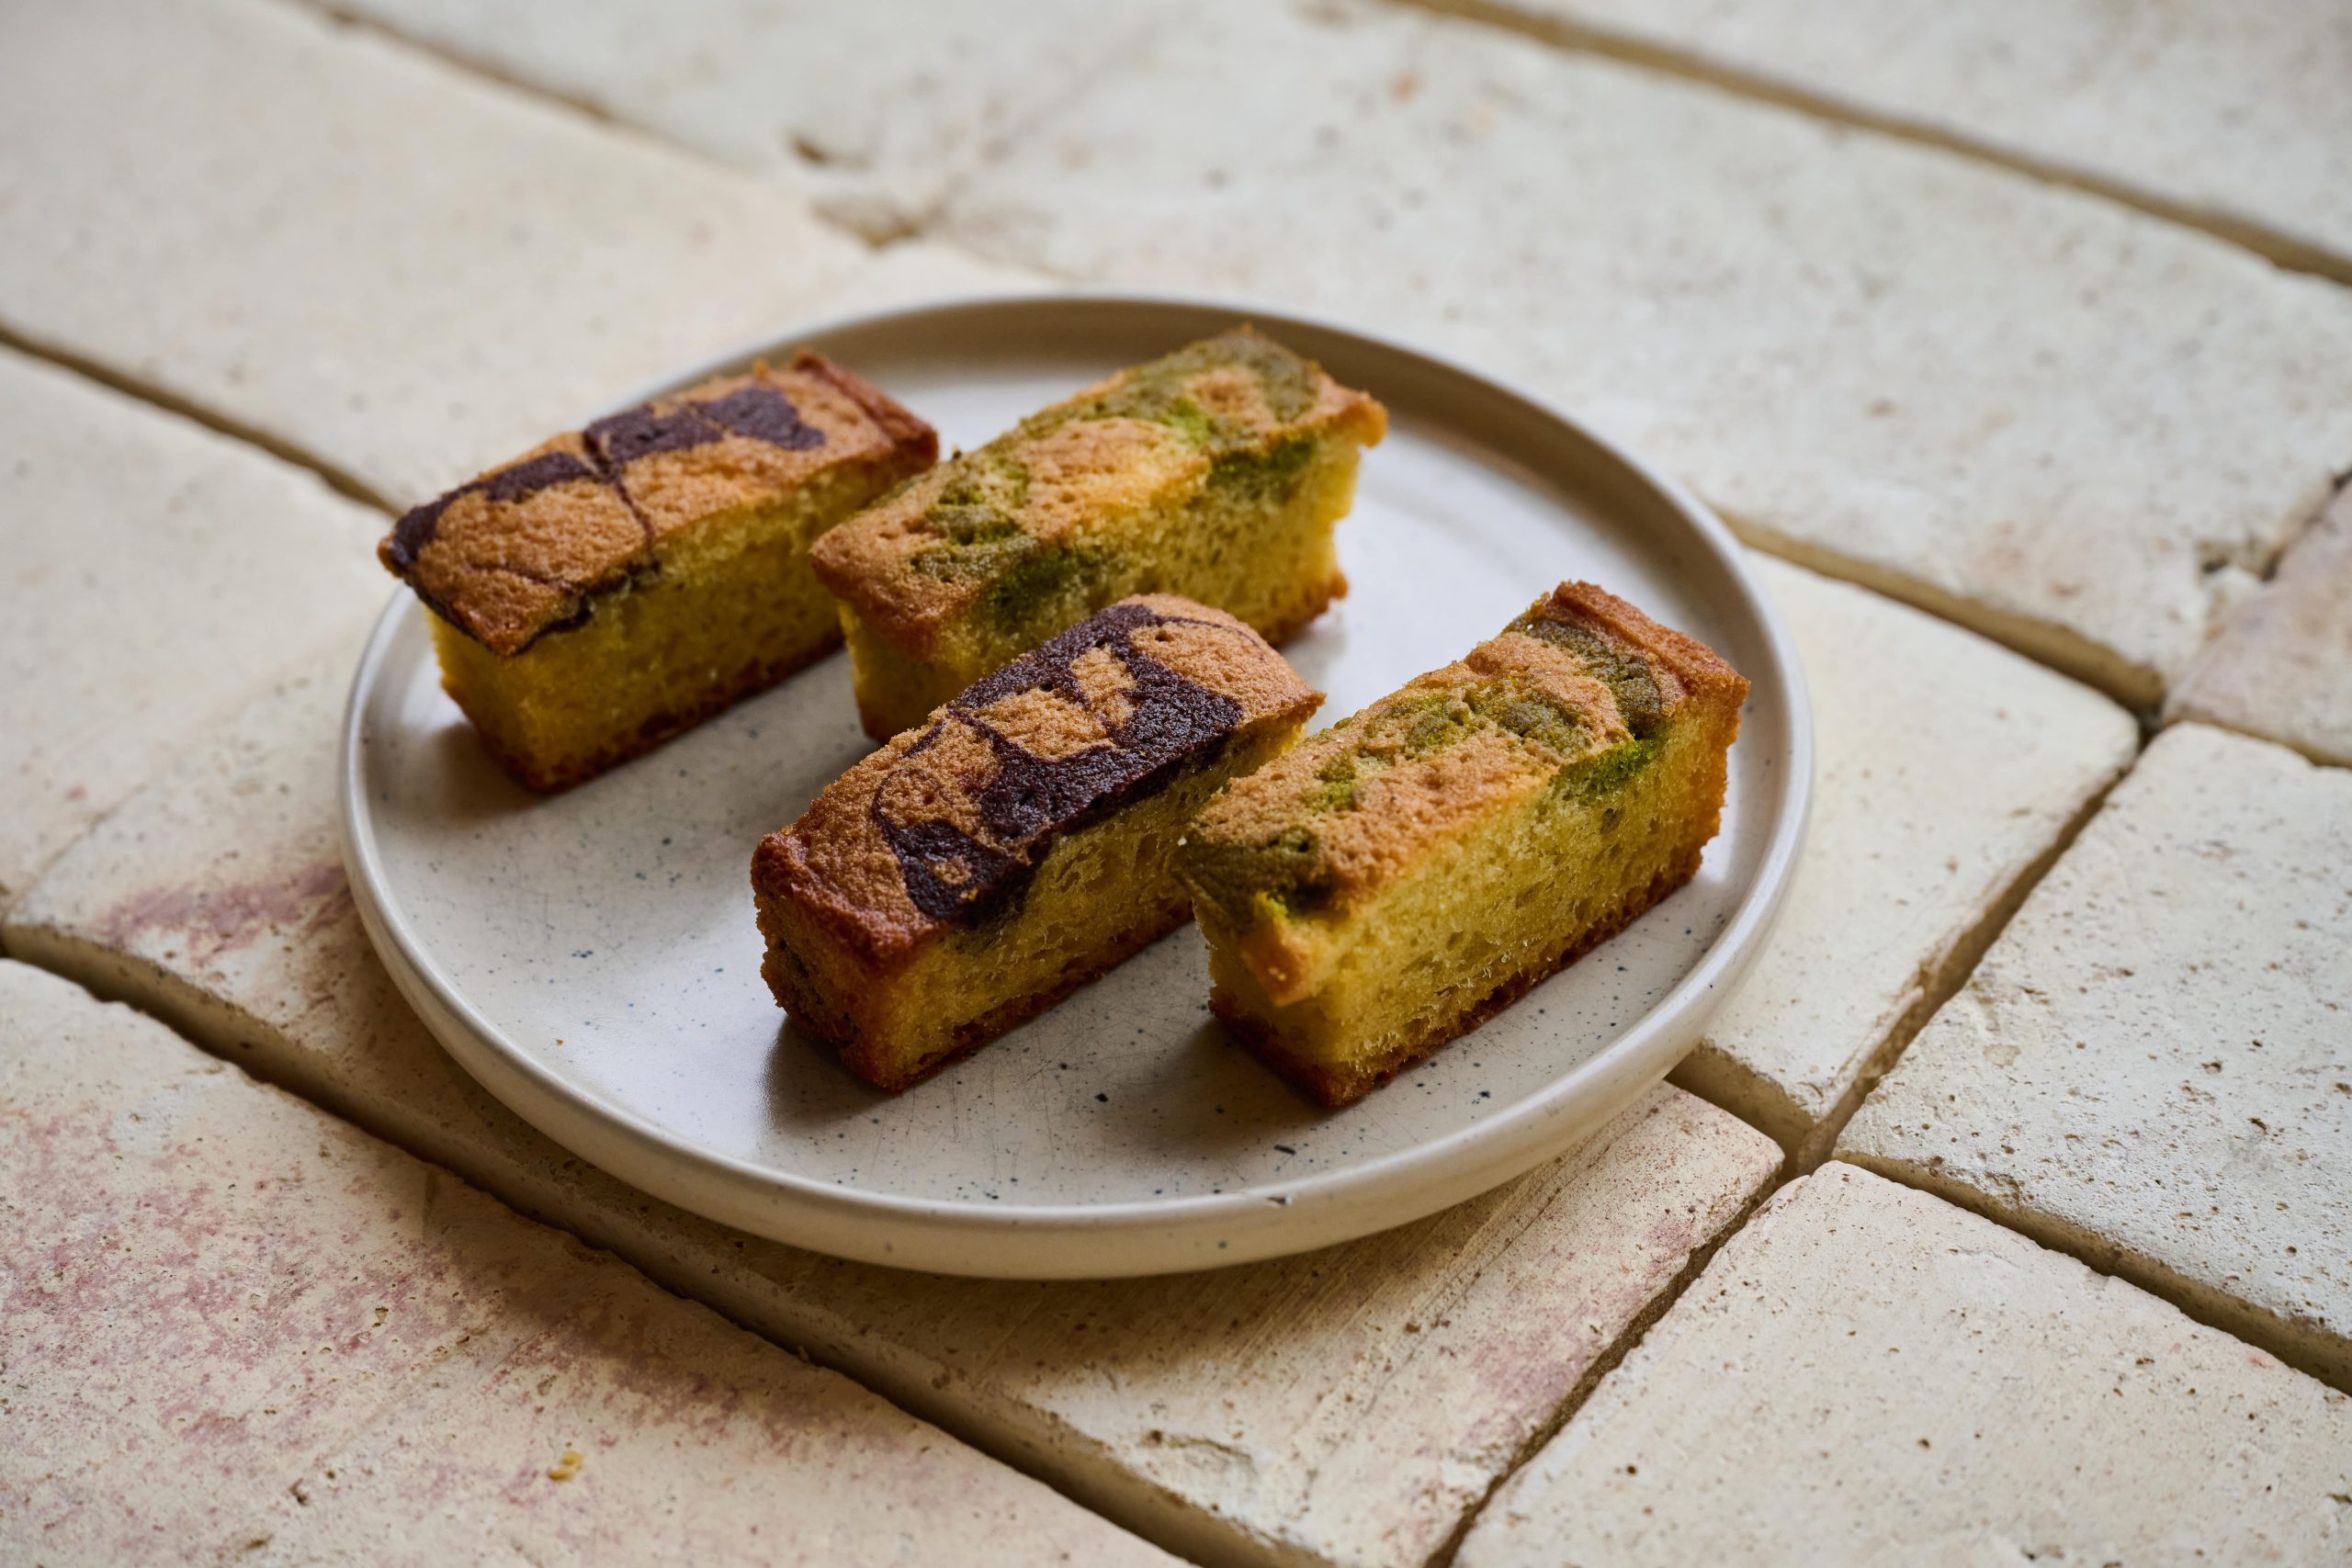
(2233, 115)
(239, 1329)
(1946, 768)
(2067, 424)
(2153, 1066)
(383, 261)
(1867, 1374)
(155, 576)
(871, 111)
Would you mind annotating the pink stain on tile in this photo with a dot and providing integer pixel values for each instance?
(209, 922)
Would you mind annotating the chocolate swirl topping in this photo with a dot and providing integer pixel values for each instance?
(762, 413)
(644, 431)
(756, 411)
(513, 483)
(1029, 800)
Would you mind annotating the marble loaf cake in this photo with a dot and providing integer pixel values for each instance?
(1411, 870)
(1217, 472)
(623, 582)
(1020, 841)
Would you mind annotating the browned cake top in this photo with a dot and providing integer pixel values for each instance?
(523, 549)
(945, 824)
(998, 524)
(1582, 690)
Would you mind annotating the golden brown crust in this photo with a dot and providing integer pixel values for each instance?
(942, 825)
(1698, 669)
(924, 554)
(899, 426)
(1578, 677)
(519, 549)
(525, 548)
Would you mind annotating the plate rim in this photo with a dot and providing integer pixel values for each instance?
(1162, 1234)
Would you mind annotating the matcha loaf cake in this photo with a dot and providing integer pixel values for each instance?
(1217, 472)
(1410, 871)
(1021, 841)
(624, 582)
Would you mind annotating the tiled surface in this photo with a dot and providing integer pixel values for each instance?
(385, 265)
(2153, 1067)
(2282, 666)
(1866, 1374)
(250, 1332)
(2084, 431)
(2041, 414)
(1232, 1413)
(2077, 428)
(2230, 113)
(137, 544)
(873, 112)
(1946, 768)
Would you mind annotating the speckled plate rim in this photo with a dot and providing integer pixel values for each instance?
(1175, 1234)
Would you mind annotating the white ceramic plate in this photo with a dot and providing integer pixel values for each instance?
(592, 957)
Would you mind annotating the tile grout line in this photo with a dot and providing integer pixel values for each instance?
(2107, 1259)
(343, 483)
(1837, 569)
(992, 149)
(1626, 1342)
(1666, 60)
(2338, 487)
(1557, 33)
(352, 21)
(1957, 968)
(119, 989)
(1952, 974)
(1496, 15)
(1791, 1170)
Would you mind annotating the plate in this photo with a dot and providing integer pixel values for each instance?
(591, 958)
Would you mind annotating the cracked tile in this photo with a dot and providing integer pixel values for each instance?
(873, 112)
(2283, 667)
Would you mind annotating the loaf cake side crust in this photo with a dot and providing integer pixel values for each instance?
(1403, 876)
(550, 765)
(1217, 472)
(624, 581)
(655, 660)
(1019, 842)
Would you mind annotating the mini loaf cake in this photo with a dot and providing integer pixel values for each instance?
(1415, 868)
(624, 582)
(981, 867)
(1217, 472)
